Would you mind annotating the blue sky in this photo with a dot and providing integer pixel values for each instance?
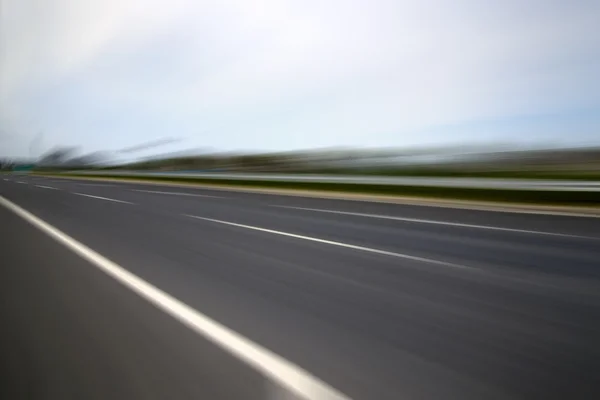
(297, 74)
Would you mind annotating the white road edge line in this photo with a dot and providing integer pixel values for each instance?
(273, 366)
(176, 193)
(102, 198)
(46, 187)
(432, 222)
(340, 244)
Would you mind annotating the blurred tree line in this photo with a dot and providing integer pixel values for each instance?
(443, 161)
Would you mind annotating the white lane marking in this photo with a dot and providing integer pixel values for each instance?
(46, 187)
(176, 193)
(102, 198)
(432, 222)
(340, 244)
(23, 183)
(273, 366)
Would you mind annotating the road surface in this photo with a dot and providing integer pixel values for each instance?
(367, 300)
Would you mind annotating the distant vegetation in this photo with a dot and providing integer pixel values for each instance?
(578, 163)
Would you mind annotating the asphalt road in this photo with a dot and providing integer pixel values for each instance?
(380, 301)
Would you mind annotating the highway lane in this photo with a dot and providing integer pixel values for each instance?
(481, 313)
(71, 332)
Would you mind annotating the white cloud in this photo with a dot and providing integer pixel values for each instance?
(322, 72)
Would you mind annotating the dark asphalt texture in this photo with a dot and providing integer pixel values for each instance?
(483, 314)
